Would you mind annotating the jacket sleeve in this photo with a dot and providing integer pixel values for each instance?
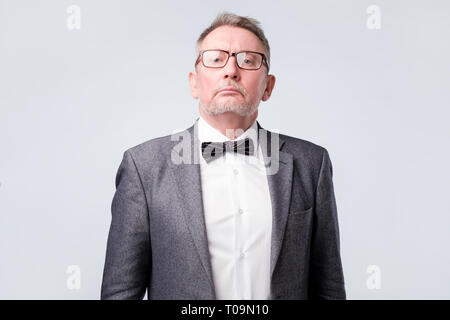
(326, 275)
(127, 265)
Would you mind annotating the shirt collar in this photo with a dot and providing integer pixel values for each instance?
(206, 132)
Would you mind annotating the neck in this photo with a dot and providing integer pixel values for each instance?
(229, 124)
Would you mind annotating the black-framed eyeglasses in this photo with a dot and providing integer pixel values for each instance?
(248, 60)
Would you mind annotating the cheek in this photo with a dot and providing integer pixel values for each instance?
(262, 87)
(205, 89)
(258, 92)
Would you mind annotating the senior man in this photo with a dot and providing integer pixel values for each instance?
(233, 211)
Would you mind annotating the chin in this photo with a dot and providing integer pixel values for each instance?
(241, 109)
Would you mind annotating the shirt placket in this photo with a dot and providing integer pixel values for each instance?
(240, 254)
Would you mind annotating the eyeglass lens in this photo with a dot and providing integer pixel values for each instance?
(218, 59)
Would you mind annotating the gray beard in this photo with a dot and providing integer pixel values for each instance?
(240, 109)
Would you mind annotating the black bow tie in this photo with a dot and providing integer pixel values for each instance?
(213, 150)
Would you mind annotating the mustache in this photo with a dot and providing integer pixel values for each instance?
(234, 85)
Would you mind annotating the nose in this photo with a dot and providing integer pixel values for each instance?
(231, 69)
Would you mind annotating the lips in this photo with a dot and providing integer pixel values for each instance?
(229, 90)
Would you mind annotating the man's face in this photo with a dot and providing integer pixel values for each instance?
(253, 85)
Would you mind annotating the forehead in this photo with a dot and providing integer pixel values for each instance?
(232, 39)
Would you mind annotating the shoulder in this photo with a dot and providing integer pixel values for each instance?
(311, 161)
(150, 148)
(303, 150)
(156, 150)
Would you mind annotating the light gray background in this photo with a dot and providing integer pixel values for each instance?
(71, 102)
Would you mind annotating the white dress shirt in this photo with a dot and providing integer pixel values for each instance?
(238, 217)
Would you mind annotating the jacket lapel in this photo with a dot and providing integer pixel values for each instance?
(279, 168)
(188, 186)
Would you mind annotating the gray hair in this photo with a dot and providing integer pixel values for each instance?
(231, 19)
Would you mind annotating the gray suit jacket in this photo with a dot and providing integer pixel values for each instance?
(157, 240)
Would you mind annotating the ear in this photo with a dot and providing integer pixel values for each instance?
(269, 87)
(193, 84)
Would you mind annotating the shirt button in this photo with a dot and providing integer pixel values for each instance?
(235, 171)
(241, 211)
(243, 255)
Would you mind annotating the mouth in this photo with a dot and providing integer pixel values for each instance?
(229, 90)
